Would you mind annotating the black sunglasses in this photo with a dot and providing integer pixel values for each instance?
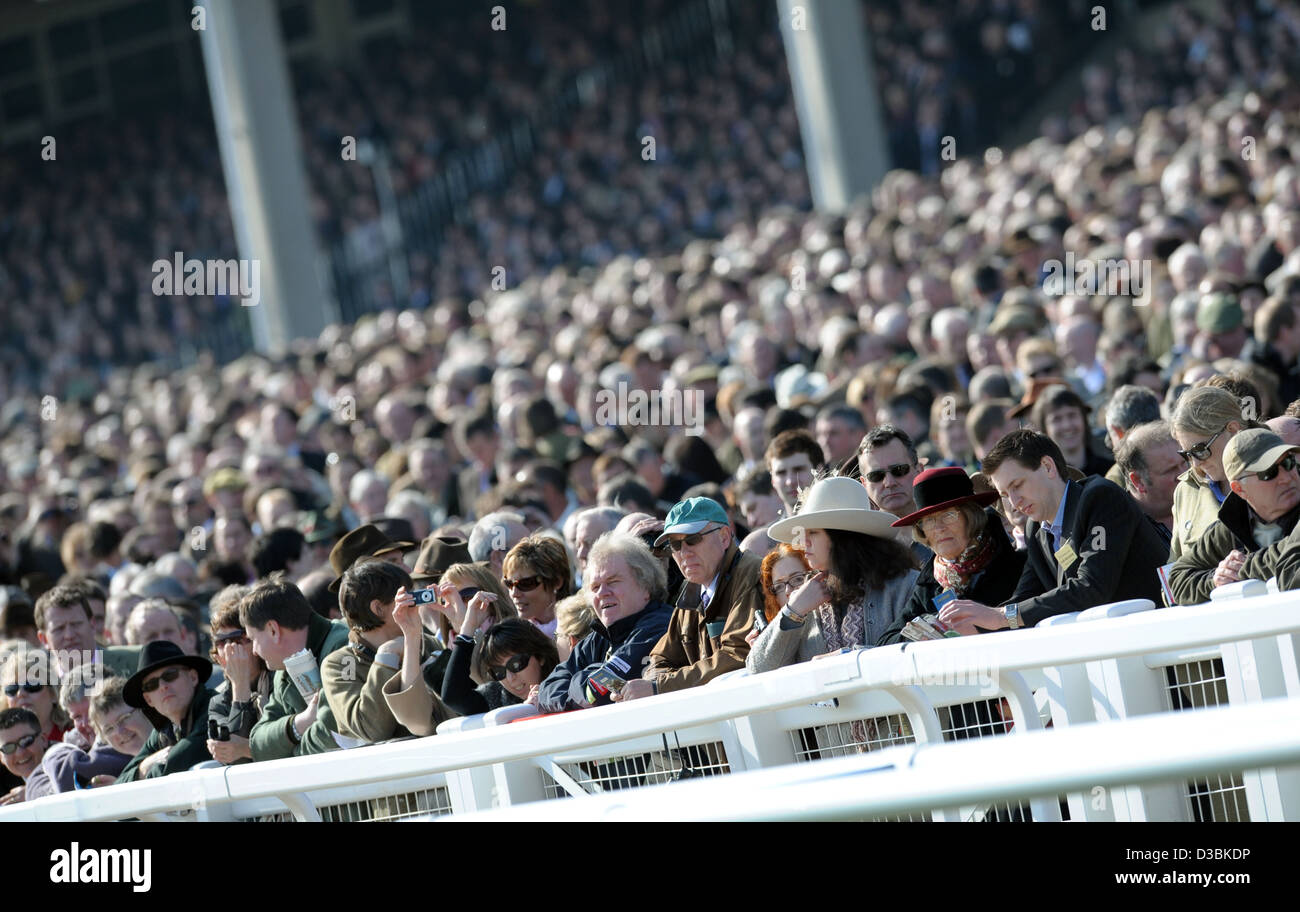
(11, 690)
(1201, 451)
(1286, 465)
(234, 635)
(691, 540)
(901, 470)
(524, 584)
(21, 744)
(171, 674)
(514, 666)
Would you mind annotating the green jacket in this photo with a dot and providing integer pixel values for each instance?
(1192, 577)
(354, 685)
(270, 738)
(189, 750)
(1195, 510)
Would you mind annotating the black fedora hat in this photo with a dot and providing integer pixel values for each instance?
(156, 655)
(437, 554)
(936, 490)
(363, 541)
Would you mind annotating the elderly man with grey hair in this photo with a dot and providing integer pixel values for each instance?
(1128, 407)
(625, 582)
(494, 535)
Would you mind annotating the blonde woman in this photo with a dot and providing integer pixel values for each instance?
(1204, 421)
(574, 617)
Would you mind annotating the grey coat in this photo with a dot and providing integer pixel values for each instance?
(778, 646)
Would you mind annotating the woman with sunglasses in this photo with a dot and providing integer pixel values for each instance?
(536, 573)
(1205, 420)
(460, 583)
(237, 704)
(862, 581)
(470, 600)
(515, 655)
(28, 679)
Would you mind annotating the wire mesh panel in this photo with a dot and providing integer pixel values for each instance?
(1195, 685)
(435, 801)
(609, 774)
(982, 719)
(840, 739)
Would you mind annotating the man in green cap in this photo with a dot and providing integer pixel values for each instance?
(706, 636)
(1222, 325)
(1256, 524)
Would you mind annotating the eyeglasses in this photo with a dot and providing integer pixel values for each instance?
(470, 591)
(524, 584)
(120, 723)
(514, 666)
(1201, 451)
(1286, 465)
(901, 470)
(171, 674)
(782, 588)
(946, 518)
(691, 540)
(11, 690)
(22, 743)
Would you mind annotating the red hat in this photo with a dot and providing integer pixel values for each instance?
(938, 489)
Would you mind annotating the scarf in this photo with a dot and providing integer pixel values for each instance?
(958, 573)
(850, 630)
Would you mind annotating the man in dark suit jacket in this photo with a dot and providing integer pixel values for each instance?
(1089, 542)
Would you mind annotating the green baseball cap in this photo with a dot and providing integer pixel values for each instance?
(1219, 313)
(693, 515)
(1253, 450)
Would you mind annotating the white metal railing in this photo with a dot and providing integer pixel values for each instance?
(911, 779)
(1070, 672)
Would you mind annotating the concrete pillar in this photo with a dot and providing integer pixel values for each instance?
(257, 130)
(835, 94)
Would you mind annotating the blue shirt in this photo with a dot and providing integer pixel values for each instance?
(1219, 495)
(1055, 525)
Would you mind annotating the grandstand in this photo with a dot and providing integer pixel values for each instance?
(600, 195)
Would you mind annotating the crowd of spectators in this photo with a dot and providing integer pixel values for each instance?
(434, 511)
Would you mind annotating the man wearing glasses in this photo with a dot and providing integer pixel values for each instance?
(1255, 523)
(168, 686)
(888, 463)
(706, 636)
(22, 746)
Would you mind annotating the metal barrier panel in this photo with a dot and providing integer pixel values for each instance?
(1194, 684)
(633, 770)
(432, 801)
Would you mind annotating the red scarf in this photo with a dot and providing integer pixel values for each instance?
(957, 574)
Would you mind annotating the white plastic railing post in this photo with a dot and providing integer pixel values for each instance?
(1124, 688)
(1253, 671)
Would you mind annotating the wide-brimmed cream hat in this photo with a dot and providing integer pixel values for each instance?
(836, 503)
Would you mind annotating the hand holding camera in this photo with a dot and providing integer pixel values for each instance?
(478, 614)
(406, 611)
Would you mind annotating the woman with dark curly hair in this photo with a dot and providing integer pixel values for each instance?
(861, 582)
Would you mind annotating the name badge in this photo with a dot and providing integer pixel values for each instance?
(1065, 556)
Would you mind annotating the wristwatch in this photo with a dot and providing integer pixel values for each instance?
(1014, 621)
